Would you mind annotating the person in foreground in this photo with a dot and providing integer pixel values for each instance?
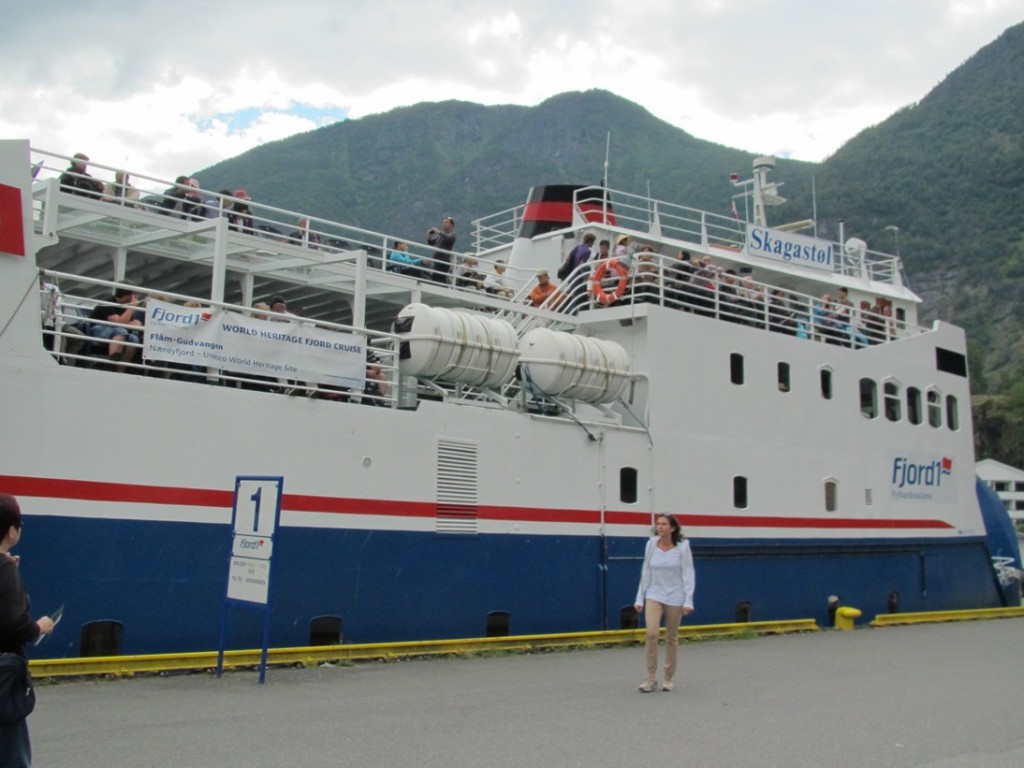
(17, 628)
(667, 583)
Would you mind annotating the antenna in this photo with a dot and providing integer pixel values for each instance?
(814, 205)
(607, 153)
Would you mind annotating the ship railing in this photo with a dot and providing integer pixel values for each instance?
(497, 230)
(197, 225)
(683, 227)
(710, 291)
(75, 339)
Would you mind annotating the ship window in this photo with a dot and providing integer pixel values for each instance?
(948, 361)
(893, 405)
(952, 413)
(783, 377)
(627, 485)
(736, 368)
(743, 611)
(101, 638)
(1018, 487)
(498, 624)
(325, 630)
(831, 495)
(934, 409)
(914, 415)
(1000, 486)
(739, 492)
(826, 383)
(628, 617)
(869, 398)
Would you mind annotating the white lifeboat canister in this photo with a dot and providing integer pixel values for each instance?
(456, 346)
(561, 364)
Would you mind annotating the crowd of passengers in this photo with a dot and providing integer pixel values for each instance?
(629, 272)
(112, 336)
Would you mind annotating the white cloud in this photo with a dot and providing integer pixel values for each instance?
(155, 87)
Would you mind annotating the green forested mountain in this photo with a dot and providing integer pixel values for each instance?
(948, 171)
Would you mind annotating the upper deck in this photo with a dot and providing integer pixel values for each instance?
(342, 278)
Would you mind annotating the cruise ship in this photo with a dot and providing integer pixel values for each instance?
(442, 449)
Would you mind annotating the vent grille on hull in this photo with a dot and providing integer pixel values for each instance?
(457, 482)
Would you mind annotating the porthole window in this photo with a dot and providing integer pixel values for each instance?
(891, 398)
(869, 398)
(736, 368)
(914, 413)
(628, 485)
(826, 383)
(831, 495)
(934, 409)
(952, 413)
(783, 377)
(739, 492)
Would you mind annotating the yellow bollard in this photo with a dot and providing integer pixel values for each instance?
(845, 616)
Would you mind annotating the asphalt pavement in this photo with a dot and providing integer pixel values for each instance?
(940, 695)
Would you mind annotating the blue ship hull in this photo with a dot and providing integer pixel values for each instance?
(165, 582)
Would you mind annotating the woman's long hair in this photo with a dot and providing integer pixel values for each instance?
(677, 531)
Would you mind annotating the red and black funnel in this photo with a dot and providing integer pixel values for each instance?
(550, 207)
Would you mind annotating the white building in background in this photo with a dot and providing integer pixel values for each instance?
(1007, 482)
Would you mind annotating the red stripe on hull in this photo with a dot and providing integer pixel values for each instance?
(88, 490)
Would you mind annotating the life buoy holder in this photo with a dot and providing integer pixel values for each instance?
(597, 288)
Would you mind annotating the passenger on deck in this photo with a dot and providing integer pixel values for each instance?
(78, 181)
(576, 289)
(883, 313)
(578, 255)
(467, 276)
(403, 262)
(844, 312)
(184, 199)
(240, 218)
(542, 290)
(304, 237)
(781, 317)
(119, 324)
(278, 304)
(444, 240)
(120, 191)
(826, 325)
(703, 286)
(729, 307)
(751, 299)
(645, 279)
(219, 207)
(624, 250)
(497, 283)
(375, 389)
(678, 274)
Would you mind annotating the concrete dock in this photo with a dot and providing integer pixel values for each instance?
(938, 695)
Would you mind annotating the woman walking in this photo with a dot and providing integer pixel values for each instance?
(667, 582)
(16, 627)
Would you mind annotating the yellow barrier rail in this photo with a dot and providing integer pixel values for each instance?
(309, 656)
(930, 617)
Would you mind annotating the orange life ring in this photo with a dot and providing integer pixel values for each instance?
(597, 288)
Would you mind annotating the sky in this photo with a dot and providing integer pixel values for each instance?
(169, 88)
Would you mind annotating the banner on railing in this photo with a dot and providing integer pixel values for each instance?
(790, 248)
(216, 338)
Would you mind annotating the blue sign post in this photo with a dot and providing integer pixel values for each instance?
(256, 513)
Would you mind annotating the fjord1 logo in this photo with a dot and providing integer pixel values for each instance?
(922, 478)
